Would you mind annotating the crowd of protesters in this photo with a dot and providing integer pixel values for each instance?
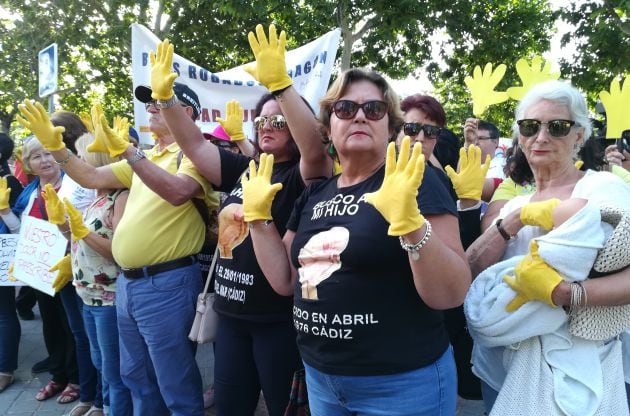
(366, 246)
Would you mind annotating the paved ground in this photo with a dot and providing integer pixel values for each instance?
(19, 399)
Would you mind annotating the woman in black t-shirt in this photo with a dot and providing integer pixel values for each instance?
(255, 343)
(370, 274)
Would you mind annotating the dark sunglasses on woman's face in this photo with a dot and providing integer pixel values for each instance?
(529, 127)
(277, 122)
(413, 129)
(346, 109)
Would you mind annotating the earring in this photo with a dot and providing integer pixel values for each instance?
(331, 149)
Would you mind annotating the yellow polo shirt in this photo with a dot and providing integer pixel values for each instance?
(152, 230)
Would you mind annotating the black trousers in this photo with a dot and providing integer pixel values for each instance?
(58, 339)
(26, 299)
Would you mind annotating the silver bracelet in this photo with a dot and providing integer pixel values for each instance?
(578, 297)
(66, 160)
(414, 249)
(139, 155)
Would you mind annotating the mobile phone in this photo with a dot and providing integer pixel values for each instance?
(624, 142)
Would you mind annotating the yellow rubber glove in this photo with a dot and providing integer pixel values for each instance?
(578, 164)
(482, 85)
(121, 127)
(77, 228)
(233, 123)
(86, 119)
(539, 213)
(105, 138)
(533, 280)
(270, 68)
(54, 206)
(616, 102)
(5, 194)
(64, 273)
(396, 198)
(538, 72)
(162, 76)
(469, 180)
(35, 118)
(10, 275)
(258, 192)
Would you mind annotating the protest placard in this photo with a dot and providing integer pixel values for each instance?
(8, 243)
(40, 246)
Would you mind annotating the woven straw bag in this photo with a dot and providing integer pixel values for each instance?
(600, 323)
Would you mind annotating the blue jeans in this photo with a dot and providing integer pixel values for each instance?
(102, 329)
(489, 396)
(10, 330)
(430, 390)
(157, 361)
(250, 356)
(89, 378)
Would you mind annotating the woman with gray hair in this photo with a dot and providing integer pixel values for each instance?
(552, 124)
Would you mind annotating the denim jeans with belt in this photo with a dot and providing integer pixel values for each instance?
(430, 390)
(89, 378)
(10, 330)
(102, 329)
(157, 361)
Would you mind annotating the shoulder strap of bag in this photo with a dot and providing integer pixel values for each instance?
(214, 261)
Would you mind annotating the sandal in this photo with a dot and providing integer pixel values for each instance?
(95, 411)
(6, 379)
(49, 390)
(69, 394)
(81, 409)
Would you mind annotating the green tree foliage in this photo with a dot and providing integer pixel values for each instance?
(602, 44)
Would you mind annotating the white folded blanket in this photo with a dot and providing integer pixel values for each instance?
(575, 364)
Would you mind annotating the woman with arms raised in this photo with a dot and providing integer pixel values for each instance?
(373, 272)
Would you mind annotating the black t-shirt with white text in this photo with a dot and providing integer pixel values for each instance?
(240, 287)
(356, 309)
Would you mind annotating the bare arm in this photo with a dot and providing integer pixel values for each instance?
(203, 154)
(490, 246)
(441, 274)
(492, 212)
(85, 174)
(175, 189)
(307, 133)
(100, 244)
(246, 147)
(272, 254)
(613, 289)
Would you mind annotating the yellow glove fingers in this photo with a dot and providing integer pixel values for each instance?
(282, 44)
(486, 165)
(390, 160)
(403, 157)
(22, 121)
(252, 169)
(262, 38)
(515, 303)
(498, 74)
(86, 119)
(152, 58)
(169, 51)
(275, 188)
(96, 113)
(477, 72)
(255, 46)
(267, 166)
(452, 175)
(273, 36)
(3, 184)
(72, 211)
(417, 165)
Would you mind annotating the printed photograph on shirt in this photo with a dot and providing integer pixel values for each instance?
(232, 229)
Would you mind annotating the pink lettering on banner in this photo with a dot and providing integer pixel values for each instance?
(35, 234)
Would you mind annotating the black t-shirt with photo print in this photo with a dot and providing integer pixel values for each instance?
(356, 309)
(240, 287)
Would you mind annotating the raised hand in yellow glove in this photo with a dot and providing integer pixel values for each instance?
(539, 213)
(64, 273)
(86, 119)
(270, 68)
(121, 127)
(258, 192)
(396, 198)
(35, 118)
(233, 123)
(538, 72)
(5, 194)
(162, 75)
(533, 280)
(616, 102)
(482, 85)
(471, 176)
(106, 140)
(54, 206)
(77, 228)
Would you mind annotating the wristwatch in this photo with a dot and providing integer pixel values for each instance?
(137, 156)
(162, 104)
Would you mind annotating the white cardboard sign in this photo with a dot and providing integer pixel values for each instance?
(8, 244)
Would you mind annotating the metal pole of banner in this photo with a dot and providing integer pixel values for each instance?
(51, 103)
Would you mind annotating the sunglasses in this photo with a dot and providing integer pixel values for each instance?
(151, 103)
(413, 129)
(530, 127)
(277, 122)
(346, 109)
